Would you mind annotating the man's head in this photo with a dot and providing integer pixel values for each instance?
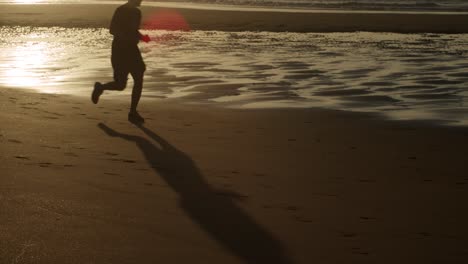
(135, 2)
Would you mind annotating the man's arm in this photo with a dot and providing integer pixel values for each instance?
(141, 37)
(113, 25)
(135, 22)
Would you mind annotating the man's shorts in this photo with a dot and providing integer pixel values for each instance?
(126, 58)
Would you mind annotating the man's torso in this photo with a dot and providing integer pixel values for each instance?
(125, 24)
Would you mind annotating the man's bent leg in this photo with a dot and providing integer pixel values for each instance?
(120, 80)
(119, 84)
(99, 89)
(114, 86)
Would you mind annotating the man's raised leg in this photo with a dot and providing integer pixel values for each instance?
(99, 88)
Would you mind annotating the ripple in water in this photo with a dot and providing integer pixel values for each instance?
(403, 76)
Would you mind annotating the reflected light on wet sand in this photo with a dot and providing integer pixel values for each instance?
(30, 65)
(27, 67)
(53, 60)
(24, 60)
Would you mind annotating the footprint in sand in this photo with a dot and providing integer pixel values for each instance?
(231, 194)
(302, 219)
(52, 113)
(44, 164)
(366, 180)
(366, 218)
(359, 251)
(124, 160)
(348, 234)
(50, 117)
(51, 147)
(29, 108)
(291, 208)
(79, 147)
(111, 173)
(424, 234)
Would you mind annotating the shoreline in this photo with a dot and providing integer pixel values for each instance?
(264, 8)
(72, 15)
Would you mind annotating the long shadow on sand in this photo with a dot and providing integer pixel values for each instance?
(216, 214)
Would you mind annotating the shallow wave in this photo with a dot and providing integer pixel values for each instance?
(403, 76)
(426, 5)
(378, 5)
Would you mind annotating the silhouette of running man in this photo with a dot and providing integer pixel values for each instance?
(126, 57)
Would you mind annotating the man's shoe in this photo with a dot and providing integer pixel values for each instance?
(97, 91)
(136, 118)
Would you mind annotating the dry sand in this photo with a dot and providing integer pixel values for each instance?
(71, 15)
(198, 184)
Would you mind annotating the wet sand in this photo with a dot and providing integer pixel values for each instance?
(76, 15)
(198, 184)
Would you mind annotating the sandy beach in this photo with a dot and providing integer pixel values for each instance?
(76, 15)
(202, 182)
(207, 185)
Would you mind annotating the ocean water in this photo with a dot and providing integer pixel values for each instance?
(436, 5)
(401, 76)
(406, 5)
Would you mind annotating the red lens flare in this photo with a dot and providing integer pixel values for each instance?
(166, 19)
